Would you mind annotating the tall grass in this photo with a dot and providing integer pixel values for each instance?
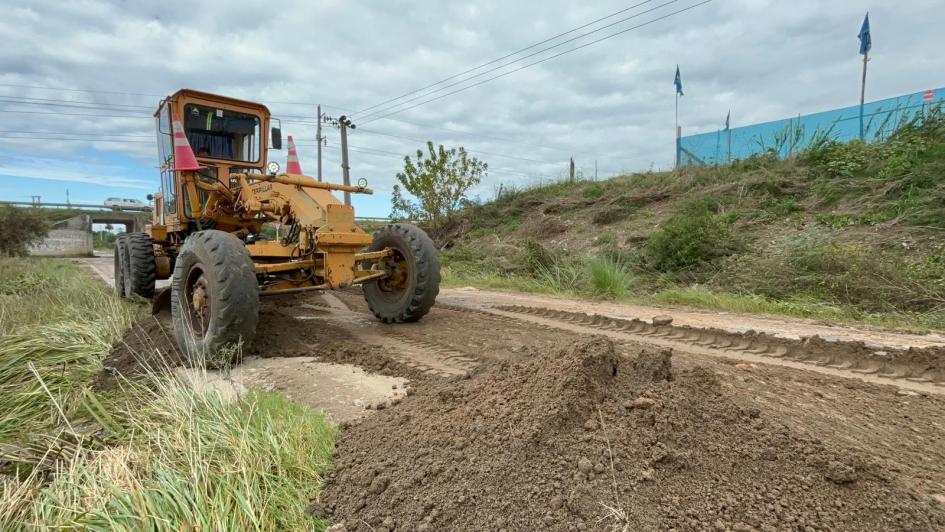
(186, 460)
(608, 277)
(58, 324)
(156, 454)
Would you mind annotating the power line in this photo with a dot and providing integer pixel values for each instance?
(75, 133)
(533, 54)
(585, 45)
(520, 50)
(55, 101)
(3, 137)
(303, 120)
(73, 114)
(372, 132)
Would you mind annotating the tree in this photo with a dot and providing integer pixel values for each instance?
(439, 182)
(19, 229)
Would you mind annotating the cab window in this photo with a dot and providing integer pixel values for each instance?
(221, 133)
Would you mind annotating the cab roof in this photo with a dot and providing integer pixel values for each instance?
(221, 99)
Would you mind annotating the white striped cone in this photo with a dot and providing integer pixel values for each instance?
(184, 159)
(292, 165)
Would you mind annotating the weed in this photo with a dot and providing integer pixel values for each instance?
(608, 277)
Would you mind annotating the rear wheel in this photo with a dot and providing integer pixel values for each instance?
(140, 270)
(413, 275)
(214, 298)
(119, 262)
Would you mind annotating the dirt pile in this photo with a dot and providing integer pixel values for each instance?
(147, 346)
(587, 439)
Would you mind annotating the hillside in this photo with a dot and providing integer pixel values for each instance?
(843, 232)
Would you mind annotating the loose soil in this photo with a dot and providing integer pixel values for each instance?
(587, 438)
(515, 405)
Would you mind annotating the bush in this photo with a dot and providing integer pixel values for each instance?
(694, 236)
(19, 229)
(534, 256)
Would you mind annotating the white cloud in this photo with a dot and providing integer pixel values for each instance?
(611, 102)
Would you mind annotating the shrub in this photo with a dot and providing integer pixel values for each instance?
(534, 256)
(19, 229)
(694, 236)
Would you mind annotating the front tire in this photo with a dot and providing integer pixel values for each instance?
(214, 298)
(413, 281)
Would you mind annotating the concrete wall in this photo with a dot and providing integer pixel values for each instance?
(65, 243)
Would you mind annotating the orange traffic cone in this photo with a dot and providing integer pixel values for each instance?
(292, 165)
(184, 159)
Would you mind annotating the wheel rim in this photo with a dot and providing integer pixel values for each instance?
(397, 282)
(197, 301)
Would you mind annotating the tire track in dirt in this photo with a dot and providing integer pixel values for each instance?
(425, 356)
(758, 348)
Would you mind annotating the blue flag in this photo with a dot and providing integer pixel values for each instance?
(728, 118)
(678, 82)
(866, 41)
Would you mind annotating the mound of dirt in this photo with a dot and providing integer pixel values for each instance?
(147, 346)
(587, 439)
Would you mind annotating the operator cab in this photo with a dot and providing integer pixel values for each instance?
(226, 136)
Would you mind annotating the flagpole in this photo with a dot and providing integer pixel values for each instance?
(866, 55)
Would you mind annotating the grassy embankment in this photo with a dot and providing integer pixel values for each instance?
(152, 455)
(841, 232)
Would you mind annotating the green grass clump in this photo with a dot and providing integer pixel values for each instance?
(187, 459)
(608, 277)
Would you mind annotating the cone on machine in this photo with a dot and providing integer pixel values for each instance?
(184, 159)
(292, 165)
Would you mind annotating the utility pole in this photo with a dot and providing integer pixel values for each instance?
(343, 123)
(571, 171)
(67, 199)
(595, 169)
(318, 140)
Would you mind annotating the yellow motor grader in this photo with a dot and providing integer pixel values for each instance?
(206, 233)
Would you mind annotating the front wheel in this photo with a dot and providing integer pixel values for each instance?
(214, 298)
(413, 275)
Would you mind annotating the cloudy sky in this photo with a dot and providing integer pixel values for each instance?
(80, 79)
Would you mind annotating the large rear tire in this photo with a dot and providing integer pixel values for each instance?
(140, 270)
(413, 275)
(214, 299)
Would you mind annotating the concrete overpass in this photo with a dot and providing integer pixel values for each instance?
(72, 237)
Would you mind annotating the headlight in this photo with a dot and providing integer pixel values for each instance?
(273, 167)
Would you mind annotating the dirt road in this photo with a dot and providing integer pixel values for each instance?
(853, 388)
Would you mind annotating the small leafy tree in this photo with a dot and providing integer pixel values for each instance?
(19, 229)
(439, 182)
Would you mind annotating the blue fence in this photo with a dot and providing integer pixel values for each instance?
(791, 135)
